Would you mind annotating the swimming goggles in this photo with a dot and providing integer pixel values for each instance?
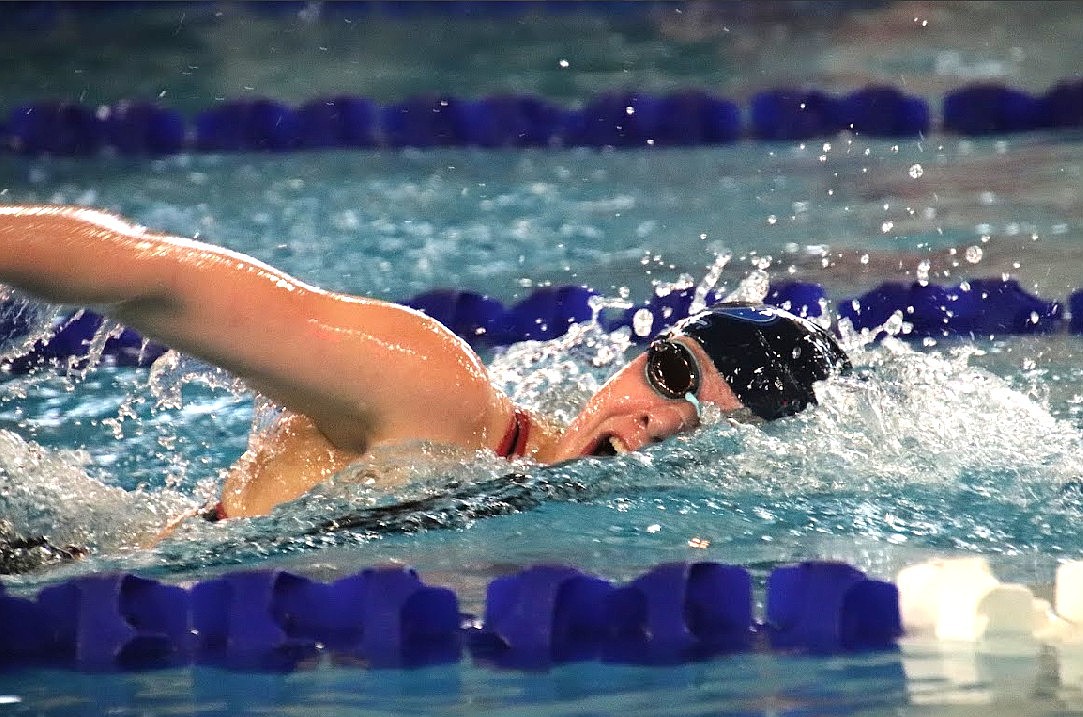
(671, 369)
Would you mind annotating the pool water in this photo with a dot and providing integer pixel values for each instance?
(941, 447)
(947, 447)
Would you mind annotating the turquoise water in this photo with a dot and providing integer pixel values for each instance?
(942, 448)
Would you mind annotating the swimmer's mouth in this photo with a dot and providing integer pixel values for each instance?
(609, 446)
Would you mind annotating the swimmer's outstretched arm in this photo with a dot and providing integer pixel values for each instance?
(364, 371)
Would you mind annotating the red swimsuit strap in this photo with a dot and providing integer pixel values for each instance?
(215, 513)
(514, 443)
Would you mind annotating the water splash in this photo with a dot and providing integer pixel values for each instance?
(916, 448)
(49, 492)
(556, 377)
(25, 322)
(173, 371)
(752, 288)
(709, 282)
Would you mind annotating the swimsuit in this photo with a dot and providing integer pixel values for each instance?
(514, 443)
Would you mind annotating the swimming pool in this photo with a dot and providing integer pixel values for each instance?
(939, 447)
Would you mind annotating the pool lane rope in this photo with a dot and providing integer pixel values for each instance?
(617, 119)
(540, 616)
(388, 617)
(979, 308)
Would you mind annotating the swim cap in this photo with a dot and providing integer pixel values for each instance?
(769, 357)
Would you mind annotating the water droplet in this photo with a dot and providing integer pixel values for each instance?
(642, 322)
(922, 273)
(973, 254)
(916, 171)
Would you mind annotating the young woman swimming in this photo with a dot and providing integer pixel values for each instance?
(354, 373)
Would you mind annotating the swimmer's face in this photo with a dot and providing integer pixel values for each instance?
(629, 413)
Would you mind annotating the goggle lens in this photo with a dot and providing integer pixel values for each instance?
(672, 369)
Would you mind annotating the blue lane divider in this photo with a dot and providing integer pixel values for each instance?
(673, 613)
(337, 122)
(793, 115)
(982, 307)
(608, 119)
(827, 606)
(542, 615)
(992, 109)
(144, 128)
(881, 111)
(55, 128)
(273, 620)
(979, 307)
(114, 620)
(1075, 308)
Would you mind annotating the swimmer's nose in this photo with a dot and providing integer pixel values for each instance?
(662, 422)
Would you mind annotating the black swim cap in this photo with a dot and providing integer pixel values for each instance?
(768, 356)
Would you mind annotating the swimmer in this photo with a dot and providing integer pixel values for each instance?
(355, 373)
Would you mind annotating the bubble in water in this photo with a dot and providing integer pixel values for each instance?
(916, 171)
(973, 254)
(922, 273)
(894, 324)
(642, 322)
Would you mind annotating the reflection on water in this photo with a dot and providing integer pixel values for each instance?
(918, 679)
